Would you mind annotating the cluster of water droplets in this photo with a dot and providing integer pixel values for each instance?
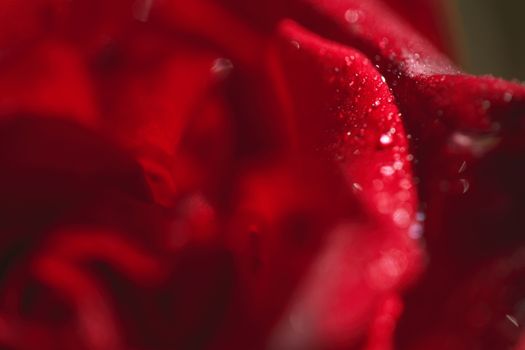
(347, 86)
(396, 178)
(362, 124)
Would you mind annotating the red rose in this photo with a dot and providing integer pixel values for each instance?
(302, 174)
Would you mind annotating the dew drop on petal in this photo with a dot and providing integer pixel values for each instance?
(476, 144)
(507, 96)
(222, 67)
(415, 231)
(385, 139)
(398, 165)
(512, 320)
(421, 216)
(401, 217)
(352, 16)
(295, 44)
(405, 184)
(465, 184)
(463, 167)
(462, 140)
(387, 170)
(357, 187)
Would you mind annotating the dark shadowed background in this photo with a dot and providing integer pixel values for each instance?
(492, 36)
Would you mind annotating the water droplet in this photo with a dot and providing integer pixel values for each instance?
(295, 44)
(415, 231)
(477, 144)
(465, 184)
(357, 187)
(385, 139)
(405, 184)
(461, 139)
(507, 96)
(401, 217)
(513, 320)
(387, 170)
(398, 165)
(376, 103)
(410, 157)
(463, 167)
(222, 67)
(352, 16)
